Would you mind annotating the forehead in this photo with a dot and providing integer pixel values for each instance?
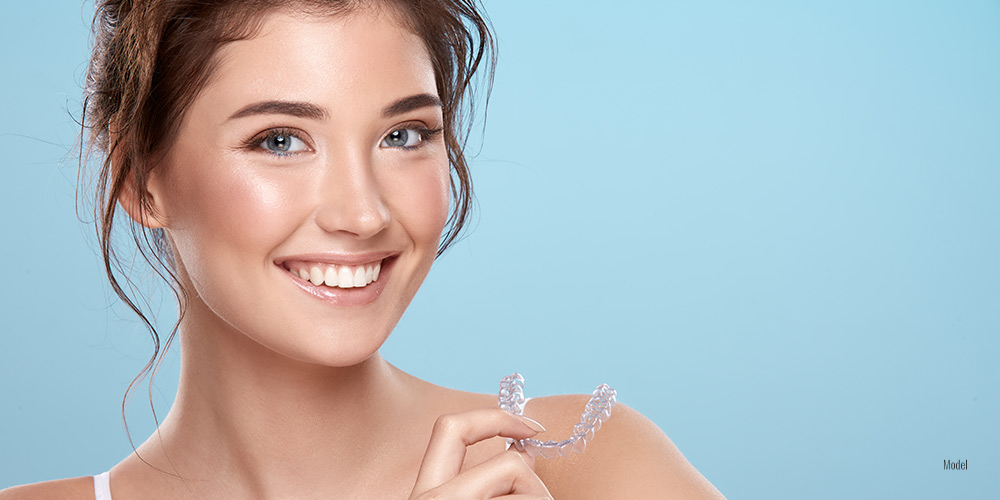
(365, 57)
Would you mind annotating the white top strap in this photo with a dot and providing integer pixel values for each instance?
(102, 486)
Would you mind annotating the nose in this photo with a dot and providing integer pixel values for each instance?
(350, 199)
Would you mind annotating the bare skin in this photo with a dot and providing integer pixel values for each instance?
(284, 395)
(630, 458)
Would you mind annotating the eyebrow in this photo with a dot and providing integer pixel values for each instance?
(314, 112)
(297, 109)
(411, 103)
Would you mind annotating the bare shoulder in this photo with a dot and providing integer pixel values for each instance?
(77, 488)
(630, 457)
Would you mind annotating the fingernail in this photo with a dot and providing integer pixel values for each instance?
(531, 424)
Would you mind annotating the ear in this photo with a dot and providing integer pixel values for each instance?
(142, 203)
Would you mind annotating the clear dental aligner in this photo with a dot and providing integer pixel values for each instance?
(597, 411)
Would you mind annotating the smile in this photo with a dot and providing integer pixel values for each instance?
(335, 275)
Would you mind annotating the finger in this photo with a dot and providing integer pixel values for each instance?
(507, 475)
(453, 432)
(528, 459)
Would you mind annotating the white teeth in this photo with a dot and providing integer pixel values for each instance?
(331, 276)
(345, 278)
(316, 276)
(339, 276)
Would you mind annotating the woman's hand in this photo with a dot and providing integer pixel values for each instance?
(507, 475)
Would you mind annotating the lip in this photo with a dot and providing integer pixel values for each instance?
(343, 259)
(343, 296)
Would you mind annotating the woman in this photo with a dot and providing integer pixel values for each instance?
(291, 164)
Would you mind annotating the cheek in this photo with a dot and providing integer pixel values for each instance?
(420, 200)
(438, 196)
(216, 205)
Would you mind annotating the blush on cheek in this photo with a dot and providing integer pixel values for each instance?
(261, 202)
(418, 197)
(240, 202)
(218, 203)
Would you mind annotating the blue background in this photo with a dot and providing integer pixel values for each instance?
(774, 228)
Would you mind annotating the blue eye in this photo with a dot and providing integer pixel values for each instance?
(282, 142)
(403, 138)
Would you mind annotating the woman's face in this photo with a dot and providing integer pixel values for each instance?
(307, 189)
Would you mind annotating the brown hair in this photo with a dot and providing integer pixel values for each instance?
(151, 58)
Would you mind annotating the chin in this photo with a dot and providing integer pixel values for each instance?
(334, 347)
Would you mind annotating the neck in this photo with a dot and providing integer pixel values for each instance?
(270, 425)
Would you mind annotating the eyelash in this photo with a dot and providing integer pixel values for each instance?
(426, 134)
(254, 143)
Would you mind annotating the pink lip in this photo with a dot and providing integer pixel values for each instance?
(343, 296)
(343, 259)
